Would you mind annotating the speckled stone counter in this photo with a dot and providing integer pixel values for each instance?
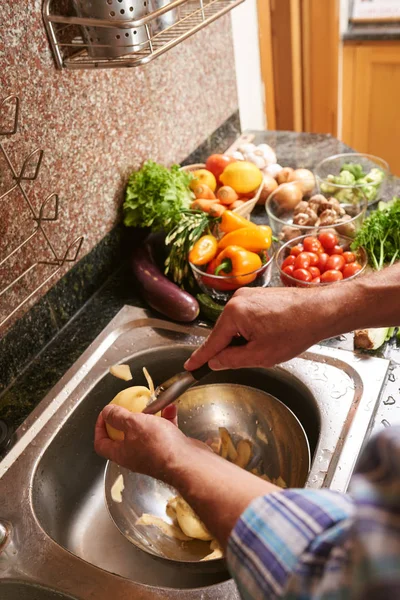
(360, 33)
(17, 401)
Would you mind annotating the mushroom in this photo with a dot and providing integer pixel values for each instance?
(312, 215)
(336, 206)
(289, 233)
(328, 217)
(343, 226)
(301, 207)
(301, 219)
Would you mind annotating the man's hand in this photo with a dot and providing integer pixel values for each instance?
(151, 445)
(279, 323)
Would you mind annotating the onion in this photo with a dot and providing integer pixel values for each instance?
(305, 178)
(272, 170)
(284, 175)
(287, 196)
(269, 186)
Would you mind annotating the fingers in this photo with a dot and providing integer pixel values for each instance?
(170, 413)
(236, 358)
(103, 445)
(117, 417)
(220, 337)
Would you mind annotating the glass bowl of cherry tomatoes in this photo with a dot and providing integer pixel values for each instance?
(321, 259)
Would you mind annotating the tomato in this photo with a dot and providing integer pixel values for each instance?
(302, 275)
(351, 269)
(328, 239)
(330, 276)
(315, 272)
(335, 250)
(288, 269)
(288, 261)
(295, 251)
(349, 257)
(322, 260)
(217, 163)
(316, 280)
(312, 244)
(302, 261)
(335, 263)
(313, 258)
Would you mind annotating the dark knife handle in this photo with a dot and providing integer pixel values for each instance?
(205, 369)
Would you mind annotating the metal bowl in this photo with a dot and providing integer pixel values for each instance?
(280, 448)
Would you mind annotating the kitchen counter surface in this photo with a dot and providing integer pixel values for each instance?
(360, 33)
(296, 150)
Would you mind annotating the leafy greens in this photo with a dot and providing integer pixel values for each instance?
(156, 196)
(380, 235)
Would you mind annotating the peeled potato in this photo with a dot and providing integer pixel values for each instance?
(190, 523)
(134, 399)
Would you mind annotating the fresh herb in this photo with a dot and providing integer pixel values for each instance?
(156, 196)
(380, 235)
(192, 225)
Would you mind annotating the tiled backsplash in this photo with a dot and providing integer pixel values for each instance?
(97, 126)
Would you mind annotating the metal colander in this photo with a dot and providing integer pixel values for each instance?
(109, 42)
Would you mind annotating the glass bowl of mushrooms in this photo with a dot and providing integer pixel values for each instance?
(296, 209)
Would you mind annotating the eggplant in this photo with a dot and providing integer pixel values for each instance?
(158, 291)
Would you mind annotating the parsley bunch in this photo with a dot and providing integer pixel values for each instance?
(156, 196)
(380, 235)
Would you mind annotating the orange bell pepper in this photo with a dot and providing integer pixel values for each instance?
(253, 239)
(204, 250)
(231, 221)
(239, 263)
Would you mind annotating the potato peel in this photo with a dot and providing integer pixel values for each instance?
(121, 372)
(228, 449)
(244, 453)
(167, 528)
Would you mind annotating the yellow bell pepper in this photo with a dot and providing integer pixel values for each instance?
(239, 264)
(230, 221)
(254, 239)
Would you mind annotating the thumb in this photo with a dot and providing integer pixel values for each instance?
(118, 417)
(235, 358)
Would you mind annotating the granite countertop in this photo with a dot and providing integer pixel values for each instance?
(376, 32)
(296, 150)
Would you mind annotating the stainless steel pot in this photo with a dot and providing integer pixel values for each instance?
(167, 19)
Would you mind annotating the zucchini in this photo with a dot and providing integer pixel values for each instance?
(209, 309)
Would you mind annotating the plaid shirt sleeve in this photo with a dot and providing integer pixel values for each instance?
(303, 544)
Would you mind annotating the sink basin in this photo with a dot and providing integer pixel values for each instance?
(17, 590)
(51, 482)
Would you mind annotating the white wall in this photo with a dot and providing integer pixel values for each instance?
(247, 61)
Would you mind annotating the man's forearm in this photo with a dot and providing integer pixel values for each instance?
(217, 490)
(372, 301)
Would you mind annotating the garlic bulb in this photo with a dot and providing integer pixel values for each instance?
(267, 152)
(259, 161)
(272, 170)
(238, 155)
(246, 148)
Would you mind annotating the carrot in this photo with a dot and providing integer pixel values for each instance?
(236, 204)
(217, 209)
(203, 205)
(203, 192)
(227, 195)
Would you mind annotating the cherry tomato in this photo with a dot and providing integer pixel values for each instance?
(315, 272)
(328, 240)
(313, 258)
(312, 244)
(302, 275)
(288, 269)
(351, 269)
(295, 251)
(330, 276)
(288, 261)
(335, 263)
(322, 260)
(316, 280)
(302, 261)
(349, 257)
(335, 250)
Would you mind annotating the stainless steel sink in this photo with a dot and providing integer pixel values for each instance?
(18, 590)
(51, 482)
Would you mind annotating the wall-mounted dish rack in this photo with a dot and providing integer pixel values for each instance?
(19, 264)
(75, 47)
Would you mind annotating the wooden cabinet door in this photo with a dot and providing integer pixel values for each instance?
(371, 99)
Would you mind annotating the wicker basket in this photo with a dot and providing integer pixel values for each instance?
(246, 209)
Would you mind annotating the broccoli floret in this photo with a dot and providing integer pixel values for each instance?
(355, 169)
(375, 176)
(347, 196)
(345, 178)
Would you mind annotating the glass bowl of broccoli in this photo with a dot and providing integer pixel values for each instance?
(344, 175)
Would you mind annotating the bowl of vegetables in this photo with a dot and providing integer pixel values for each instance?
(343, 175)
(322, 259)
(240, 254)
(298, 208)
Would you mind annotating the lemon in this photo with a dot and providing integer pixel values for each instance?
(242, 176)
